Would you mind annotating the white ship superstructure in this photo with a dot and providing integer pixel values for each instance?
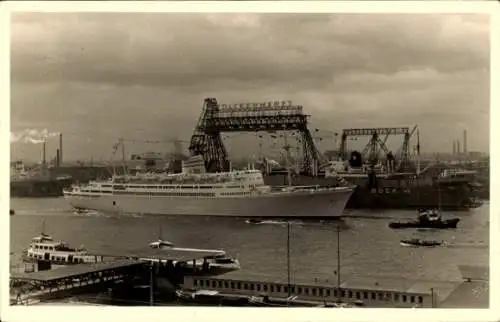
(44, 248)
(194, 192)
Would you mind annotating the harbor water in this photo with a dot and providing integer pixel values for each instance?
(368, 247)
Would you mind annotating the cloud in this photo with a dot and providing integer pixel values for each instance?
(346, 69)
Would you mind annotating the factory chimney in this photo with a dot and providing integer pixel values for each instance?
(60, 153)
(58, 160)
(43, 152)
(454, 147)
(458, 147)
(465, 141)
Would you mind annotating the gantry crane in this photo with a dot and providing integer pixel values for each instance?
(249, 117)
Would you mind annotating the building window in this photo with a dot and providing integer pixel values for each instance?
(350, 294)
(396, 297)
(404, 298)
(265, 287)
(374, 296)
(358, 296)
(420, 300)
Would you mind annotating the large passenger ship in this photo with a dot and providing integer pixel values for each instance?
(239, 193)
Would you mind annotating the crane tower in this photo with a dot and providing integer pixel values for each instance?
(249, 117)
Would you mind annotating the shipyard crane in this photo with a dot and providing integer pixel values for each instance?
(269, 117)
(374, 146)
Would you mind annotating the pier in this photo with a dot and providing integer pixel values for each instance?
(28, 287)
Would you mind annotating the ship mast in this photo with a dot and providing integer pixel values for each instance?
(418, 152)
(122, 145)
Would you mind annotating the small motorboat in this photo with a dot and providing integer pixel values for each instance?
(427, 219)
(254, 221)
(415, 242)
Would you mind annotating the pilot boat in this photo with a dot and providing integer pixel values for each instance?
(415, 242)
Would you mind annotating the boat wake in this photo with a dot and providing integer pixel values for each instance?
(266, 222)
(472, 244)
(89, 213)
(94, 213)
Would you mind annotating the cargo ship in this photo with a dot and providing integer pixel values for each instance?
(379, 187)
(240, 193)
(39, 182)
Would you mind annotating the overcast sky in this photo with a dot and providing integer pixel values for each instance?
(96, 77)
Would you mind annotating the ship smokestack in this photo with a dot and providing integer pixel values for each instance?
(60, 153)
(465, 141)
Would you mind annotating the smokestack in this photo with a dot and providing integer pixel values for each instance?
(43, 152)
(458, 147)
(465, 141)
(58, 160)
(60, 150)
(454, 147)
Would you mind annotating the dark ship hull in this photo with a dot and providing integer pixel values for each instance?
(445, 224)
(420, 243)
(38, 188)
(391, 193)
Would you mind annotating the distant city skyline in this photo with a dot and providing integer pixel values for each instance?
(96, 77)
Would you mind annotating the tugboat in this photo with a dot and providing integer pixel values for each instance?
(427, 219)
(415, 242)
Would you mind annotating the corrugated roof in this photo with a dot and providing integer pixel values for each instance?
(163, 254)
(74, 270)
(353, 282)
